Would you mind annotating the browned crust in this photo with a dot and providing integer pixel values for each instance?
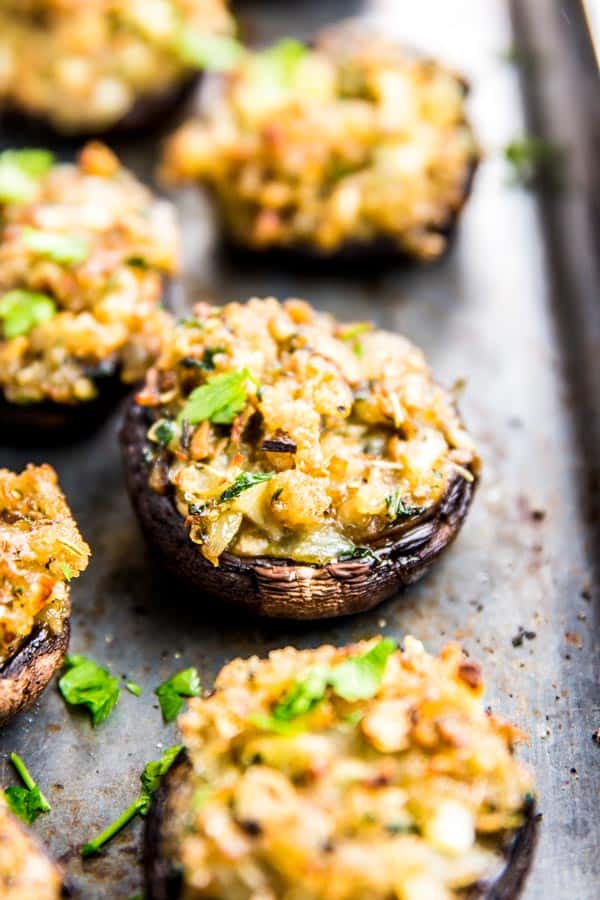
(150, 112)
(28, 672)
(284, 588)
(163, 880)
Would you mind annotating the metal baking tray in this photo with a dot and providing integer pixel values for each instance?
(513, 309)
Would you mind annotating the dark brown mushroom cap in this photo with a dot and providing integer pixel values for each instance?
(150, 112)
(163, 879)
(47, 423)
(26, 674)
(284, 588)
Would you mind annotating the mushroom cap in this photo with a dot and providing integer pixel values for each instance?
(287, 589)
(26, 674)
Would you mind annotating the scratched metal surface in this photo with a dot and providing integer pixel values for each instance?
(513, 309)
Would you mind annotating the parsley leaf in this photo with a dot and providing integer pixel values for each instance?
(153, 773)
(150, 778)
(20, 171)
(207, 362)
(25, 802)
(303, 695)
(243, 482)
(275, 69)
(359, 677)
(353, 331)
(162, 432)
(71, 249)
(531, 158)
(170, 693)
(20, 311)
(219, 400)
(67, 571)
(85, 683)
(398, 509)
(215, 52)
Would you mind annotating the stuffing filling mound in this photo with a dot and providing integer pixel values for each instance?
(82, 64)
(41, 550)
(84, 250)
(285, 433)
(358, 772)
(353, 141)
(25, 872)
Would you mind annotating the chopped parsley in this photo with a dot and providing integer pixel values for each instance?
(134, 688)
(206, 362)
(162, 432)
(215, 52)
(357, 678)
(67, 571)
(353, 331)
(171, 692)
(398, 508)
(150, 778)
(25, 802)
(85, 683)
(20, 172)
(243, 482)
(303, 695)
(20, 311)
(71, 249)
(532, 158)
(274, 70)
(219, 400)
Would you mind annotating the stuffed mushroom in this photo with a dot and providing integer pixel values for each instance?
(85, 249)
(295, 465)
(41, 550)
(343, 773)
(26, 872)
(354, 148)
(92, 66)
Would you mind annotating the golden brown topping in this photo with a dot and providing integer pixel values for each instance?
(84, 250)
(25, 871)
(310, 769)
(41, 550)
(83, 64)
(286, 433)
(355, 140)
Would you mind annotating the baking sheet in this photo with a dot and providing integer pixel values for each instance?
(513, 309)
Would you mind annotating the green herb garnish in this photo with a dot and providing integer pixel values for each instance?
(85, 683)
(150, 778)
(162, 432)
(274, 70)
(219, 400)
(397, 507)
(134, 688)
(20, 172)
(25, 802)
(171, 692)
(359, 677)
(532, 158)
(71, 249)
(215, 52)
(67, 571)
(353, 331)
(304, 694)
(20, 311)
(206, 363)
(243, 482)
